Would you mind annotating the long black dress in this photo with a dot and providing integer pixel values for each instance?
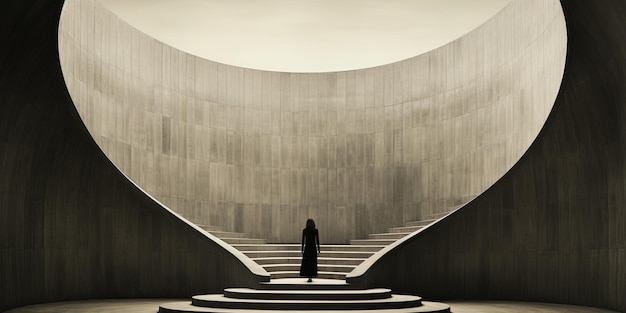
(310, 248)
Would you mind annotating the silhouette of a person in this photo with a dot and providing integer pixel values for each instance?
(310, 249)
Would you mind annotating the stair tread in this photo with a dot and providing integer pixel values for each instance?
(417, 227)
(318, 264)
(297, 247)
(185, 306)
(259, 239)
(229, 233)
(334, 266)
(235, 240)
(318, 258)
(301, 283)
(307, 294)
(296, 275)
(393, 301)
(313, 291)
(390, 234)
(298, 272)
(221, 298)
(420, 222)
(291, 251)
(374, 240)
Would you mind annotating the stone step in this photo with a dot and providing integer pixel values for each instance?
(296, 274)
(377, 242)
(187, 307)
(293, 254)
(420, 223)
(299, 283)
(439, 215)
(297, 295)
(297, 247)
(234, 241)
(226, 234)
(220, 301)
(320, 260)
(271, 268)
(247, 293)
(405, 229)
(210, 228)
(395, 236)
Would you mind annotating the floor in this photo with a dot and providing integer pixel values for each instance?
(152, 305)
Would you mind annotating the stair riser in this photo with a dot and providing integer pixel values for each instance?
(320, 267)
(297, 275)
(353, 262)
(186, 307)
(244, 241)
(274, 247)
(419, 223)
(228, 235)
(390, 236)
(405, 229)
(307, 305)
(373, 242)
(304, 286)
(211, 228)
(265, 254)
(437, 216)
(309, 296)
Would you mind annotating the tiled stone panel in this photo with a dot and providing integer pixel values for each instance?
(71, 226)
(359, 151)
(553, 229)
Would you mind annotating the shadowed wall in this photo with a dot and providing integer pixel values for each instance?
(551, 230)
(554, 228)
(71, 225)
(359, 151)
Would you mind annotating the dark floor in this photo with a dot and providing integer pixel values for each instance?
(152, 305)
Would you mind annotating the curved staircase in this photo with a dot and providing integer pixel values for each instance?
(297, 295)
(283, 260)
(334, 261)
(288, 292)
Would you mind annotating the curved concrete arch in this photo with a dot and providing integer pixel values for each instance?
(359, 151)
(87, 6)
(359, 274)
(552, 229)
(72, 226)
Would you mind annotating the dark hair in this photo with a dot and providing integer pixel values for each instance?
(310, 223)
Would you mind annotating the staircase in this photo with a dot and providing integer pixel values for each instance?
(334, 261)
(295, 295)
(287, 291)
(283, 260)
(232, 238)
(393, 234)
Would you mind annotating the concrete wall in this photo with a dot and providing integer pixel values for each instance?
(554, 228)
(71, 225)
(551, 230)
(359, 151)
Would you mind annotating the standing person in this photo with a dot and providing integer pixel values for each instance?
(310, 249)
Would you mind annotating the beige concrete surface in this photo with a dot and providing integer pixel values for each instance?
(359, 151)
